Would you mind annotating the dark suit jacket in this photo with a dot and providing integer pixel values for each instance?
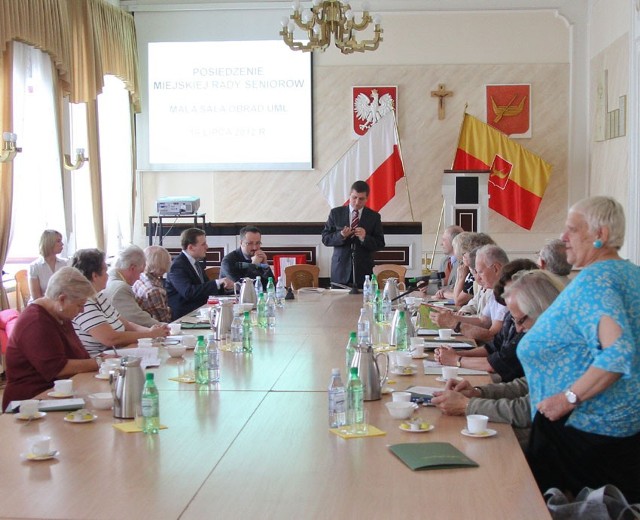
(341, 270)
(185, 290)
(230, 269)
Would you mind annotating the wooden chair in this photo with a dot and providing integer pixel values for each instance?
(212, 273)
(302, 275)
(22, 289)
(384, 271)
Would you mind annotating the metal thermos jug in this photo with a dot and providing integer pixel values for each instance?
(221, 317)
(126, 386)
(247, 291)
(369, 372)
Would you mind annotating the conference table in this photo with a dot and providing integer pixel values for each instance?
(257, 445)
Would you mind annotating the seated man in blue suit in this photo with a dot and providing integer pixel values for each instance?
(353, 228)
(187, 285)
(248, 261)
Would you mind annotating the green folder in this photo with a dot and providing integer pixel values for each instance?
(431, 455)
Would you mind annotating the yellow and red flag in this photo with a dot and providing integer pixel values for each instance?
(518, 177)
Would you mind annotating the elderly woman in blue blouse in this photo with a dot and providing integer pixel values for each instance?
(582, 362)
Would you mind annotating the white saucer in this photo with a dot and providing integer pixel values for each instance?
(80, 421)
(419, 357)
(33, 456)
(387, 390)
(25, 417)
(102, 376)
(487, 433)
(59, 395)
(404, 429)
(443, 380)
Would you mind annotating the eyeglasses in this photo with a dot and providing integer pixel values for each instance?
(251, 244)
(520, 321)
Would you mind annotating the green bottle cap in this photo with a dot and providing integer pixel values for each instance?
(401, 314)
(149, 376)
(353, 371)
(353, 334)
(246, 314)
(200, 338)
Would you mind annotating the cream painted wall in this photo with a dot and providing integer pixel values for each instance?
(610, 19)
(463, 50)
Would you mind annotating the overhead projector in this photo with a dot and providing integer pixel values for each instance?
(178, 205)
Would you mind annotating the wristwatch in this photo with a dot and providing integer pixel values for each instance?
(457, 327)
(571, 397)
(459, 361)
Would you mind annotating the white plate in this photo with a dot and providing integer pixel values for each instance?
(33, 456)
(418, 357)
(404, 429)
(411, 372)
(487, 433)
(102, 376)
(59, 395)
(387, 390)
(443, 380)
(25, 417)
(71, 420)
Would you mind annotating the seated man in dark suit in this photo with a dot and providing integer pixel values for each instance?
(187, 285)
(248, 261)
(353, 227)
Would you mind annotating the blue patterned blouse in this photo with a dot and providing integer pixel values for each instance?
(563, 344)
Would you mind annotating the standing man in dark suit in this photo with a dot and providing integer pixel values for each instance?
(249, 260)
(353, 227)
(187, 285)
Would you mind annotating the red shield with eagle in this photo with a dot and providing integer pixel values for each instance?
(369, 104)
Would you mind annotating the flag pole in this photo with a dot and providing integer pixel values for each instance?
(435, 244)
(464, 114)
(406, 179)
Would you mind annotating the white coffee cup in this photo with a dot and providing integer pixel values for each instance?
(174, 328)
(401, 396)
(41, 445)
(29, 407)
(477, 423)
(63, 386)
(417, 347)
(445, 333)
(449, 373)
(403, 359)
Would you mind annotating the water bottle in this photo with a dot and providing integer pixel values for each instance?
(377, 307)
(355, 403)
(150, 406)
(271, 311)
(366, 289)
(200, 361)
(374, 285)
(271, 288)
(351, 348)
(236, 333)
(213, 364)
(386, 308)
(247, 340)
(258, 285)
(281, 292)
(262, 311)
(337, 401)
(401, 338)
(364, 327)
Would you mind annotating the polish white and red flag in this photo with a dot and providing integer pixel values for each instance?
(374, 158)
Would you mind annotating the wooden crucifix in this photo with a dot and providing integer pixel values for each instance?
(441, 93)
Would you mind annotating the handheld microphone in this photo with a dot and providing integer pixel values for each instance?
(246, 265)
(418, 279)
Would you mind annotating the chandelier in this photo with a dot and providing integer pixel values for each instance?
(326, 18)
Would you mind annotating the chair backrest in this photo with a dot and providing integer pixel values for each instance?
(22, 289)
(384, 271)
(212, 273)
(302, 275)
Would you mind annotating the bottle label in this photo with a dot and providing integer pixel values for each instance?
(150, 407)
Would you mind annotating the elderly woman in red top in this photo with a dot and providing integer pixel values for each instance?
(44, 346)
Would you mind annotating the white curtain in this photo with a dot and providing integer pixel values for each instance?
(38, 202)
(114, 123)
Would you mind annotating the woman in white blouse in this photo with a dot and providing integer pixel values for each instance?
(42, 269)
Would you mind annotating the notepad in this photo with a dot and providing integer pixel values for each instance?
(431, 455)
